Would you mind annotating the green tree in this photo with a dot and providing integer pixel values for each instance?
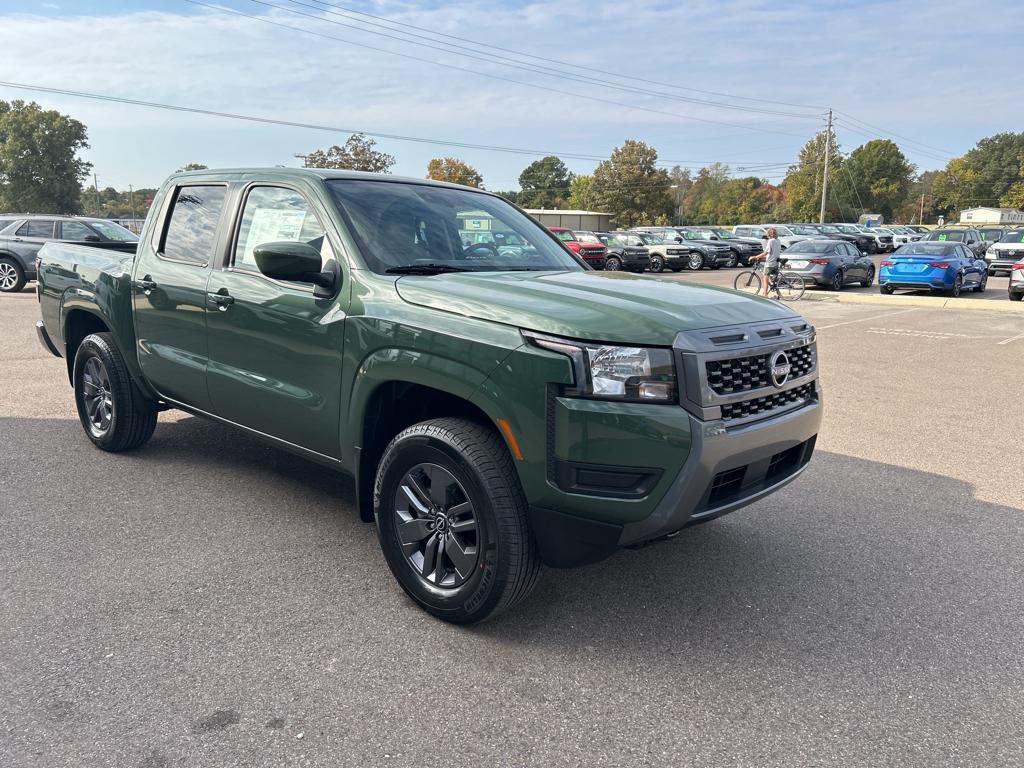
(581, 193)
(192, 167)
(511, 195)
(455, 171)
(544, 183)
(880, 175)
(802, 185)
(681, 181)
(631, 186)
(39, 165)
(1014, 196)
(358, 154)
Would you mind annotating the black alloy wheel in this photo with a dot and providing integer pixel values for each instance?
(657, 263)
(97, 397)
(983, 284)
(958, 286)
(613, 264)
(838, 280)
(870, 279)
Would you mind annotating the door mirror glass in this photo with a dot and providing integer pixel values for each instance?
(292, 260)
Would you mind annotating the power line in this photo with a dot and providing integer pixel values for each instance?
(492, 58)
(563, 63)
(316, 127)
(943, 152)
(492, 76)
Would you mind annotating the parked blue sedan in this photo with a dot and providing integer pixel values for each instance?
(933, 266)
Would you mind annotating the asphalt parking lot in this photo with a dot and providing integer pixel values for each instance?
(213, 601)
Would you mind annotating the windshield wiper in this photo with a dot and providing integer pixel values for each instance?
(425, 269)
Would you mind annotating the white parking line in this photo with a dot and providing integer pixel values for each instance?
(866, 319)
(1018, 337)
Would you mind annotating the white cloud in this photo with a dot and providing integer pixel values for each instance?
(886, 62)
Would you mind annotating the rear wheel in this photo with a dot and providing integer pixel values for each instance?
(451, 519)
(887, 290)
(613, 264)
(112, 413)
(958, 286)
(870, 279)
(837, 281)
(694, 261)
(748, 282)
(12, 276)
(983, 284)
(791, 287)
(1016, 296)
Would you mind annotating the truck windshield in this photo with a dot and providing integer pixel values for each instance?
(401, 225)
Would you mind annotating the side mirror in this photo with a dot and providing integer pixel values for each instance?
(92, 238)
(292, 260)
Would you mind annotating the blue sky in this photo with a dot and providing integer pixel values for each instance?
(940, 73)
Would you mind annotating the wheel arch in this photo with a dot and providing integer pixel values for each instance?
(80, 322)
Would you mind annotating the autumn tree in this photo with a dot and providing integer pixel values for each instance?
(39, 165)
(802, 185)
(880, 175)
(357, 154)
(631, 186)
(581, 193)
(544, 183)
(453, 170)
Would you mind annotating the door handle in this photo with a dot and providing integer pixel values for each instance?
(147, 284)
(221, 300)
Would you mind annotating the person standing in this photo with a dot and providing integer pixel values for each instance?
(770, 256)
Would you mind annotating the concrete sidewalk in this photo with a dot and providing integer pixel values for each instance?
(933, 302)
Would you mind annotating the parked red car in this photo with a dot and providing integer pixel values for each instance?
(590, 251)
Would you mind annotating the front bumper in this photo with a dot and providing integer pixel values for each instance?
(731, 468)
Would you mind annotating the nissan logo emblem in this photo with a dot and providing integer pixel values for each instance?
(779, 368)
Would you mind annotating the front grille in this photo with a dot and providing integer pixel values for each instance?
(759, 406)
(742, 374)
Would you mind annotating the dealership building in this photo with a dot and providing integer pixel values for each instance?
(983, 216)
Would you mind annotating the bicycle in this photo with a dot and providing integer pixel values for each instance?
(786, 287)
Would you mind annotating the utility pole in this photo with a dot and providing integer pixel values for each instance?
(824, 178)
(920, 219)
(131, 201)
(96, 186)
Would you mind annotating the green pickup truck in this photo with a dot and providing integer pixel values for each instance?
(499, 404)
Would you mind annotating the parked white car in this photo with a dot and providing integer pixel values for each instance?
(1001, 256)
(1017, 282)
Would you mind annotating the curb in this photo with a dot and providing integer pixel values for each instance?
(933, 302)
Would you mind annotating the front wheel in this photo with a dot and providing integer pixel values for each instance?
(112, 413)
(747, 282)
(657, 264)
(613, 264)
(694, 261)
(790, 287)
(451, 520)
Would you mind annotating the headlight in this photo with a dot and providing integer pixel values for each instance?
(622, 373)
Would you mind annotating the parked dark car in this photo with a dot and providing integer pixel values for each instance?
(21, 237)
(991, 235)
(863, 243)
(831, 263)
(969, 237)
(623, 251)
(742, 247)
(700, 252)
(933, 265)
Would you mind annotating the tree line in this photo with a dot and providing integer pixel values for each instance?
(41, 170)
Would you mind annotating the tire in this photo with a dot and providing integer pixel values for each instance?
(869, 280)
(613, 264)
(497, 564)
(983, 284)
(734, 259)
(886, 290)
(115, 418)
(958, 286)
(12, 276)
(791, 287)
(694, 260)
(1016, 296)
(657, 264)
(838, 281)
(748, 281)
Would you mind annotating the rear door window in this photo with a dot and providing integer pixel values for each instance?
(191, 231)
(36, 228)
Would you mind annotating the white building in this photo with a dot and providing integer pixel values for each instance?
(977, 217)
(593, 221)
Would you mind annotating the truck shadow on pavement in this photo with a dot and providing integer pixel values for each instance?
(855, 554)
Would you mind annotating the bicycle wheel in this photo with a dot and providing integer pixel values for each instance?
(790, 287)
(748, 282)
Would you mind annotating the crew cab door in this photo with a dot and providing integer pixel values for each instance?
(169, 291)
(275, 347)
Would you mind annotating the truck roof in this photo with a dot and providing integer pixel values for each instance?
(241, 174)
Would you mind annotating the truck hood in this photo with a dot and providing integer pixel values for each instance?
(595, 306)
